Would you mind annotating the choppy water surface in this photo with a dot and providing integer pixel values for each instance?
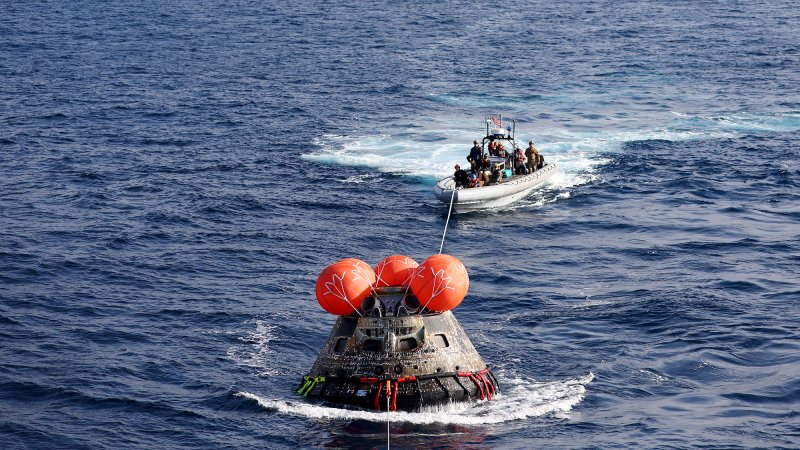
(173, 177)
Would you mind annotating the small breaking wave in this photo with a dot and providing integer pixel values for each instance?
(254, 348)
(520, 399)
(737, 123)
(361, 179)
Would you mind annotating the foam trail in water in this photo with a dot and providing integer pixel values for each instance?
(430, 152)
(433, 158)
(740, 123)
(520, 399)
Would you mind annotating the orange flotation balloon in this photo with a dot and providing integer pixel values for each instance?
(440, 283)
(395, 270)
(343, 285)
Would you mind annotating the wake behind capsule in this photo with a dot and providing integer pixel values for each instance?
(396, 345)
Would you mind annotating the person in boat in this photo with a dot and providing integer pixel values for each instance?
(475, 155)
(461, 177)
(501, 150)
(475, 179)
(485, 170)
(484, 178)
(519, 162)
(492, 173)
(492, 147)
(533, 157)
(497, 175)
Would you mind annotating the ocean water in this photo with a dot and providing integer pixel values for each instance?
(175, 175)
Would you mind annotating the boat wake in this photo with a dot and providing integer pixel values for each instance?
(429, 152)
(520, 399)
(431, 159)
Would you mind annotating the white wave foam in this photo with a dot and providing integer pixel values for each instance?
(254, 352)
(363, 178)
(432, 155)
(591, 303)
(742, 122)
(520, 399)
(431, 151)
(654, 376)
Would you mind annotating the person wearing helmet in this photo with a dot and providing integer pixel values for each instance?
(501, 150)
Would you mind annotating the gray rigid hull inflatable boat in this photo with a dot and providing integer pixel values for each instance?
(496, 195)
(510, 187)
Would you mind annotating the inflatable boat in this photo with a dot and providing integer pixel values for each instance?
(507, 189)
(506, 192)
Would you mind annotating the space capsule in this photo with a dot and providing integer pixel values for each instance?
(396, 344)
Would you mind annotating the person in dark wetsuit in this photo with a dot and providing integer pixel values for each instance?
(461, 177)
(475, 155)
(497, 175)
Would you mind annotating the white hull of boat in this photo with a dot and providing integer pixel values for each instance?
(494, 196)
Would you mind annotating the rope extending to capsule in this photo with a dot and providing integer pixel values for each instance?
(453, 196)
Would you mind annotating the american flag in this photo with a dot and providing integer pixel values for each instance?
(497, 121)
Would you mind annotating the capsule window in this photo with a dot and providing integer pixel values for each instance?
(440, 341)
(407, 344)
(341, 345)
(372, 345)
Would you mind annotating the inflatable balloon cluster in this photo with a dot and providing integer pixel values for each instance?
(440, 283)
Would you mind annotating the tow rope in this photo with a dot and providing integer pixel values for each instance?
(448, 218)
(388, 386)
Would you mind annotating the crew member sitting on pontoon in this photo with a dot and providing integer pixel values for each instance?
(475, 179)
(497, 174)
(461, 177)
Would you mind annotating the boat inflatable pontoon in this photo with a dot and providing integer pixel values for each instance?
(493, 196)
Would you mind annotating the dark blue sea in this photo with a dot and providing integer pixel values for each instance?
(175, 175)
